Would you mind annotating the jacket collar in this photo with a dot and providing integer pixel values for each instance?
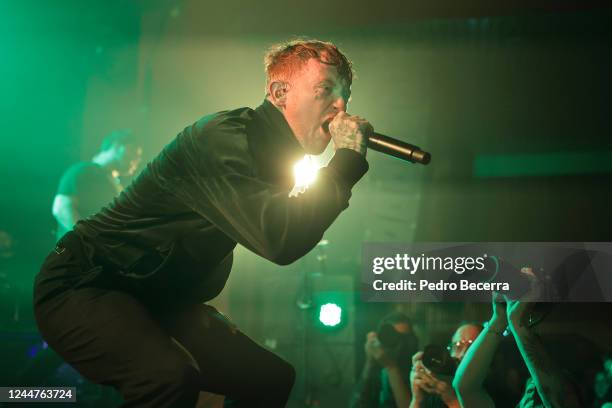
(275, 147)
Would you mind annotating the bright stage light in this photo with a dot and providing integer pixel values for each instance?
(305, 173)
(330, 314)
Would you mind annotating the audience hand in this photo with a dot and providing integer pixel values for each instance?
(375, 351)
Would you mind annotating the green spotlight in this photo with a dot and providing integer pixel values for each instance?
(330, 315)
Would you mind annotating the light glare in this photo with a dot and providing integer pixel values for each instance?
(305, 172)
(330, 314)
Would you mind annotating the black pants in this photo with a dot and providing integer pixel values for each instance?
(154, 358)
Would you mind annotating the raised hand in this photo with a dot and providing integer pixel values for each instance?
(375, 351)
(499, 319)
(517, 309)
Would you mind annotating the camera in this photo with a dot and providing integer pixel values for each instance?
(400, 346)
(389, 338)
(439, 361)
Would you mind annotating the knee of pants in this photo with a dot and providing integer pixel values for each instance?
(183, 375)
(277, 378)
(284, 378)
(177, 375)
(270, 388)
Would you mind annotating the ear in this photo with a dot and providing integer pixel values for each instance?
(278, 93)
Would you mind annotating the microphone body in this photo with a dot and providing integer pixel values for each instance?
(397, 148)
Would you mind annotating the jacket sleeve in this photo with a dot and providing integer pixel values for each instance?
(261, 216)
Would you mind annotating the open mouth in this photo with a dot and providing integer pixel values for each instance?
(325, 125)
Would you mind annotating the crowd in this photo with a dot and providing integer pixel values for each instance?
(508, 361)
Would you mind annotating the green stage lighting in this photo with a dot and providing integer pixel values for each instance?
(330, 315)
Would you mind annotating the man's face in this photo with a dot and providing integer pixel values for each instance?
(463, 339)
(402, 327)
(315, 95)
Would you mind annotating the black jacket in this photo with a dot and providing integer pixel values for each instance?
(221, 181)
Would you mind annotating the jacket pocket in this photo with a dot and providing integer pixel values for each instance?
(150, 264)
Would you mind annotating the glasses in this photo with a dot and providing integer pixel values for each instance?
(459, 344)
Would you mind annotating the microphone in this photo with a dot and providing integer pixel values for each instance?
(397, 148)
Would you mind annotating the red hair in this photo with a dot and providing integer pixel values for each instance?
(285, 59)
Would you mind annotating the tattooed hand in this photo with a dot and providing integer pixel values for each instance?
(552, 386)
(350, 132)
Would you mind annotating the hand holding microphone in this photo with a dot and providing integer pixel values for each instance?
(350, 132)
(356, 133)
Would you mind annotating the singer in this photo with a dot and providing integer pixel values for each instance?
(121, 297)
